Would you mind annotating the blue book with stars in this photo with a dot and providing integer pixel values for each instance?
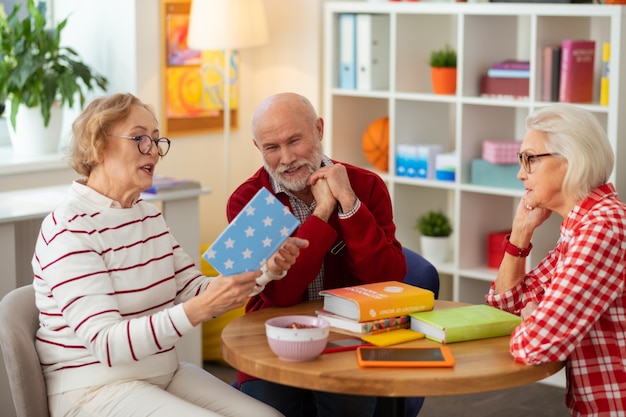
(253, 236)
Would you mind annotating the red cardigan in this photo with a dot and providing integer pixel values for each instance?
(371, 252)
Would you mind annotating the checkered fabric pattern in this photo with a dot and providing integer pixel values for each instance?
(581, 317)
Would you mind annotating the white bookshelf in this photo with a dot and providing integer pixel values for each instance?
(482, 33)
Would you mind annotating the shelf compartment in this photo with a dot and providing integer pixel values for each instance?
(469, 290)
(409, 202)
(349, 120)
(480, 123)
(479, 215)
(416, 36)
(480, 52)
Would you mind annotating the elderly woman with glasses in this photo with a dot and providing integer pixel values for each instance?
(572, 303)
(115, 289)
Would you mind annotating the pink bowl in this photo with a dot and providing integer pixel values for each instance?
(297, 344)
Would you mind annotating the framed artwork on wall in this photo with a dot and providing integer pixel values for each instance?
(192, 81)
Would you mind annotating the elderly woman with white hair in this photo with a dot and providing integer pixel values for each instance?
(572, 303)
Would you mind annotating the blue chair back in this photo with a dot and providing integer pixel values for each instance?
(420, 272)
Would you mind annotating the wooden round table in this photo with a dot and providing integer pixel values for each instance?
(481, 365)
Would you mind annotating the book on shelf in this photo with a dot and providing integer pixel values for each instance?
(546, 73)
(347, 50)
(366, 327)
(253, 236)
(551, 73)
(377, 300)
(508, 73)
(164, 184)
(556, 73)
(464, 323)
(372, 51)
(604, 79)
(577, 68)
(509, 88)
(512, 64)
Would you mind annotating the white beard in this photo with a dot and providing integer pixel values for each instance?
(300, 183)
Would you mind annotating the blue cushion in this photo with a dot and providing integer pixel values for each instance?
(420, 272)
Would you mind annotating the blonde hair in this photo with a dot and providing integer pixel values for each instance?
(91, 127)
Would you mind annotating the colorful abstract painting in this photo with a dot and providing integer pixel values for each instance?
(193, 81)
(178, 53)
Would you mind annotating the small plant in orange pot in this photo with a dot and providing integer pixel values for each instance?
(443, 70)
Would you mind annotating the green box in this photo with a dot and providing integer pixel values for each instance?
(495, 175)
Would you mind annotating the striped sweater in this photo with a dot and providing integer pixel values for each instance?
(109, 285)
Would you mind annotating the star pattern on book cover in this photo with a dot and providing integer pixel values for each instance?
(253, 236)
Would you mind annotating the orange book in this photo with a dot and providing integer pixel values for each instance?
(377, 301)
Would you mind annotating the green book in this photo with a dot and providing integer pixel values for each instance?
(459, 324)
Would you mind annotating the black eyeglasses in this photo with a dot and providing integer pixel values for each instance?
(526, 160)
(144, 144)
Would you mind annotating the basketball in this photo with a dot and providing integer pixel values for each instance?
(375, 143)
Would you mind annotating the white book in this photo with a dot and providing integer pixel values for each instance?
(372, 51)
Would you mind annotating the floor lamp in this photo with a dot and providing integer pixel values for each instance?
(226, 25)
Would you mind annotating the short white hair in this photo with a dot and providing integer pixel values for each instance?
(576, 135)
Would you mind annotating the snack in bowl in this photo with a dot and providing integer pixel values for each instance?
(297, 338)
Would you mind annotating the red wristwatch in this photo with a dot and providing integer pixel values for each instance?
(511, 249)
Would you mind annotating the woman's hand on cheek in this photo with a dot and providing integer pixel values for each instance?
(529, 217)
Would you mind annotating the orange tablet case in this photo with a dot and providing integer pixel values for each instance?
(405, 356)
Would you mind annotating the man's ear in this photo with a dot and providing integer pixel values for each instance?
(255, 144)
(319, 125)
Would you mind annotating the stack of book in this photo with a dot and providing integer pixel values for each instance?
(508, 79)
(368, 309)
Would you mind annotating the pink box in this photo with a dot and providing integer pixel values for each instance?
(501, 152)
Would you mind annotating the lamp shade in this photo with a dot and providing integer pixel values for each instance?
(226, 24)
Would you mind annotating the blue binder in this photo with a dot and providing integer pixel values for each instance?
(347, 50)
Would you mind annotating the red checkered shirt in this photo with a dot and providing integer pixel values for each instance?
(581, 317)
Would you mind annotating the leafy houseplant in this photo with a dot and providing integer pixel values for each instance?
(434, 223)
(443, 70)
(35, 70)
(435, 229)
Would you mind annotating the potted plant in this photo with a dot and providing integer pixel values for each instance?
(38, 76)
(435, 229)
(443, 70)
